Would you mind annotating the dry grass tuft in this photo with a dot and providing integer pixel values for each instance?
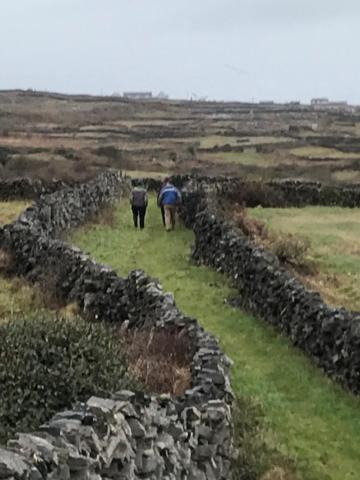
(278, 473)
(291, 250)
(106, 216)
(160, 359)
(249, 226)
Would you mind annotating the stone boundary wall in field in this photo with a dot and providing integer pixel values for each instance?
(27, 188)
(131, 435)
(290, 193)
(277, 193)
(330, 336)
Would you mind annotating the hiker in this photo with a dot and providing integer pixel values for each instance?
(169, 198)
(161, 206)
(139, 202)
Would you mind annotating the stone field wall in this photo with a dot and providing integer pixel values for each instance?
(331, 337)
(277, 193)
(27, 188)
(131, 435)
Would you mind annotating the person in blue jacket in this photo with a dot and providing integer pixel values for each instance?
(170, 199)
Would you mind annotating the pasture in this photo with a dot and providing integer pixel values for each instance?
(334, 237)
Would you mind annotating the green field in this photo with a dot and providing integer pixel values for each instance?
(312, 420)
(322, 152)
(334, 234)
(241, 158)
(211, 141)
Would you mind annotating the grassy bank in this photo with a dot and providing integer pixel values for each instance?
(334, 234)
(313, 420)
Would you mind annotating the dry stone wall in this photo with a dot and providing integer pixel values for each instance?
(330, 336)
(131, 435)
(277, 193)
(27, 188)
(290, 193)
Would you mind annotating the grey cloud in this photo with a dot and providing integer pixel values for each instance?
(231, 49)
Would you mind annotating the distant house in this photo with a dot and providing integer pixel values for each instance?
(162, 96)
(319, 101)
(138, 95)
(329, 105)
(266, 102)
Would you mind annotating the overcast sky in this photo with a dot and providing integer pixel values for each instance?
(221, 49)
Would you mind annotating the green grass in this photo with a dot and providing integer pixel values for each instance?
(312, 419)
(212, 140)
(334, 234)
(241, 158)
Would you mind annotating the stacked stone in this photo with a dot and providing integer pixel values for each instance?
(291, 193)
(127, 437)
(132, 435)
(330, 336)
(27, 188)
(277, 193)
(69, 207)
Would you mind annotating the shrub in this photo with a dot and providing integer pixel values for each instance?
(293, 250)
(109, 151)
(47, 364)
(252, 194)
(173, 156)
(251, 227)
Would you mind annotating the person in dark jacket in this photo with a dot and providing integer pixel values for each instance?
(158, 202)
(139, 203)
(169, 198)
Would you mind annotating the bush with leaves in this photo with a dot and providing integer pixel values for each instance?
(47, 364)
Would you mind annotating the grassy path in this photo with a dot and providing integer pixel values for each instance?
(313, 420)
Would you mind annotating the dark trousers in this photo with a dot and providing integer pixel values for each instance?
(139, 214)
(163, 214)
